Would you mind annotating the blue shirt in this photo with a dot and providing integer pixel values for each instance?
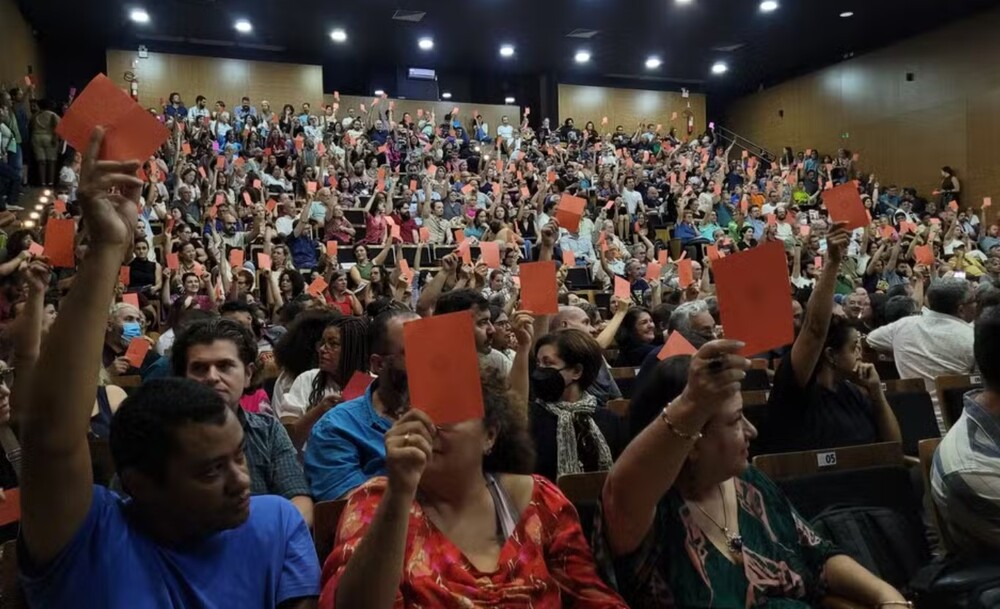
(303, 251)
(346, 448)
(265, 561)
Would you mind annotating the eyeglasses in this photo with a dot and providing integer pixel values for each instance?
(327, 345)
(6, 376)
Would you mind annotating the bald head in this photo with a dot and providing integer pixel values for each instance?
(572, 318)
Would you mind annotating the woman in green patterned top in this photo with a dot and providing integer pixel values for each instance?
(687, 523)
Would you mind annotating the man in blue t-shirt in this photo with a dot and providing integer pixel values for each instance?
(189, 535)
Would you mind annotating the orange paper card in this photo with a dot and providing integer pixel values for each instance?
(173, 262)
(569, 258)
(661, 257)
(758, 276)
(405, 271)
(569, 212)
(318, 286)
(623, 291)
(924, 255)
(59, 205)
(236, 258)
(137, 350)
(36, 249)
(676, 345)
(465, 251)
(125, 275)
(130, 131)
(394, 233)
(10, 508)
(443, 367)
(844, 204)
(357, 386)
(538, 288)
(987, 201)
(59, 234)
(311, 187)
(491, 253)
(425, 234)
(132, 299)
(685, 273)
(712, 252)
(263, 262)
(331, 249)
(653, 271)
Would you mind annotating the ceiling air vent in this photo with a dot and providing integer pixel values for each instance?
(582, 33)
(411, 16)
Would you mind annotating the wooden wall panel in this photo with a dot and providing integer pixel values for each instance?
(18, 48)
(217, 79)
(949, 114)
(491, 113)
(627, 107)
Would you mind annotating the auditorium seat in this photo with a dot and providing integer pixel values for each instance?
(619, 407)
(914, 412)
(326, 518)
(950, 391)
(584, 492)
(927, 449)
(354, 215)
(625, 379)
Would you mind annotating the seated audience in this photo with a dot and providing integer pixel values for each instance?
(936, 343)
(177, 447)
(219, 353)
(573, 433)
(346, 446)
(823, 396)
(689, 523)
(965, 465)
(458, 522)
(636, 338)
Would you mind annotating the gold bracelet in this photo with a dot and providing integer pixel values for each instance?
(677, 432)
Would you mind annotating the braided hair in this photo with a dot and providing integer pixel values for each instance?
(354, 355)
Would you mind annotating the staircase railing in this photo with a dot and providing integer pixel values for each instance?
(728, 136)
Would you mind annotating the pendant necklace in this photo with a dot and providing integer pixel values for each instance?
(734, 541)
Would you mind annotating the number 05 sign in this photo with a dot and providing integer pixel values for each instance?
(826, 459)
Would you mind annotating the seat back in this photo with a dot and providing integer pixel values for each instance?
(915, 414)
(584, 492)
(619, 407)
(782, 466)
(950, 391)
(326, 518)
(625, 378)
(11, 594)
(927, 448)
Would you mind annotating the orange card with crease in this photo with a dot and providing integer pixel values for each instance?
(173, 262)
(539, 288)
(236, 258)
(130, 132)
(331, 249)
(318, 286)
(712, 252)
(132, 299)
(759, 276)
(310, 187)
(405, 271)
(394, 232)
(425, 234)
(491, 253)
(569, 212)
(124, 275)
(36, 249)
(676, 345)
(59, 233)
(623, 290)
(59, 205)
(653, 271)
(443, 367)
(465, 251)
(924, 255)
(137, 350)
(263, 261)
(661, 257)
(844, 204)
(569, 258)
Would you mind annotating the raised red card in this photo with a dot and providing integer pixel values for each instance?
(844, 204)
(676, 345)
(539, 288)
(59, 233)
(137, 350)
(569, 212)
(357, 386)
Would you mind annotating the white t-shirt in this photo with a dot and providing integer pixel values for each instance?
(632, 200)
(506, 132)
(295, 402)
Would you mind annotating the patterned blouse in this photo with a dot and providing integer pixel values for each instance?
(545, 564)
(678, 566)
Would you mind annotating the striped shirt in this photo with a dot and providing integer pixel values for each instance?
(965, 479)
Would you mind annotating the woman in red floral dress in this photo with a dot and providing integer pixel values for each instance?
(446, 529)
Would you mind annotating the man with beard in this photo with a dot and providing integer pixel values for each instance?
(347, 445)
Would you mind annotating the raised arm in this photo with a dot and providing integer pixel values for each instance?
(57, 483)
(808, 346)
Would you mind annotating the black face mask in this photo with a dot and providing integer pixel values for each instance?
(548, 384)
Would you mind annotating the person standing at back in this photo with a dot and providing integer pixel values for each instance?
(189, 535)
(936, 343)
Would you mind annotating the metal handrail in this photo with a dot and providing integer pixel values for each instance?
(753, 148)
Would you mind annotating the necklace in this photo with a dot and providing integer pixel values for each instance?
(734, 541)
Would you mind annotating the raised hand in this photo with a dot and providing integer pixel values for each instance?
(109, 197)
(408, 450)
(836, 243)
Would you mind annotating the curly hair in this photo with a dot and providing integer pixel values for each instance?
(514, 450)
(353, 355)
(296, 350)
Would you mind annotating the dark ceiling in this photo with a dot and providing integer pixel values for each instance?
(760, 48)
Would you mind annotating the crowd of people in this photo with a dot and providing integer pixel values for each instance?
(248, 287)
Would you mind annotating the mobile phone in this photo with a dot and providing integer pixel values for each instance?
(822, 246)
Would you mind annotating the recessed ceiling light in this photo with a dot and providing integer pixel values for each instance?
(39, 207)
(508, 100)
(139, 15)
(653, 62)
(683, 1)
(338, 35)
(29, 224)
(47, 192)
(768, 5)
(43, 199)
(243, 26)
(426, 44)
(719, 67)
(379, 92)
(446, 95)
(846, 14)
(507, 50)
(34, 215)
(582, 56)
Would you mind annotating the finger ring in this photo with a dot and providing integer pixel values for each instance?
(715, 364)
(406, 440)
